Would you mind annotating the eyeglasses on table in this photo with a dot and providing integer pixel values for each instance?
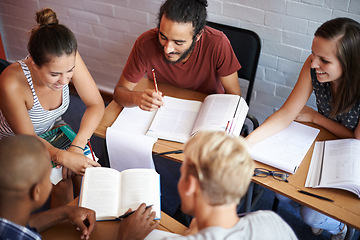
(262, 172)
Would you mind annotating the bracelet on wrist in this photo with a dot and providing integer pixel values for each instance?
(73, 145)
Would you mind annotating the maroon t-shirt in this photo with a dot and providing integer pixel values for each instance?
(212, 57)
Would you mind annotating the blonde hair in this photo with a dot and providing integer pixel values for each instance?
(221, 163)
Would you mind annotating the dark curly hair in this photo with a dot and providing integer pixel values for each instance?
(184, 11)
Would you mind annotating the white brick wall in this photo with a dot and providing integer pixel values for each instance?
(107, 29)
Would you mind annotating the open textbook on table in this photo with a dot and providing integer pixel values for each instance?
(335, 164)
(179, 119)
(111, 193)
(286, 149)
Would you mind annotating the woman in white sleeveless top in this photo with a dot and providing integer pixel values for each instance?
(34, 94)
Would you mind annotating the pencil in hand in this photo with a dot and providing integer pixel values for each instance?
(155, 83)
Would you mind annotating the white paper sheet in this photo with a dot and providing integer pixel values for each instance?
(134, 120)
(128, 150)
(159, 234)
(286, 149)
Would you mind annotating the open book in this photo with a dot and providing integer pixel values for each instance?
(286, 149)
(111, 193)
(180, 119)
(335, 164)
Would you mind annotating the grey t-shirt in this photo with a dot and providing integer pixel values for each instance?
(256, 225)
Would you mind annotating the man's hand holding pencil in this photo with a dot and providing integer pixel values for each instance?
(150, 99)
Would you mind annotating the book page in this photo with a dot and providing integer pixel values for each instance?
(140, 186)
(159, 234)
(341, 165)
(217, 112)
(175, 119)
(313, 176)
(286, 149)
(240, 115)
(99, 192)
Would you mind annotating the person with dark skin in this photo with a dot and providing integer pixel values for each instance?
(183, 52)
(25, 185)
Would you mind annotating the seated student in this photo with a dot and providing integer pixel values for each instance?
(34, 94)
(25, 185)
(215, 174)
(332, 71)
(183, 52)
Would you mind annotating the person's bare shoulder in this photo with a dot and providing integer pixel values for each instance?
(13, 82)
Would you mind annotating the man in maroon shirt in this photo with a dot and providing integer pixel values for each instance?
(183, 52)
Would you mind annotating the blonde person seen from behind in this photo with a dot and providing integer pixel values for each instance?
(215, 174)
(332, 71)
(34, 94)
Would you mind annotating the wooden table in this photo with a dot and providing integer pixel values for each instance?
(105, 229)
(346, 205)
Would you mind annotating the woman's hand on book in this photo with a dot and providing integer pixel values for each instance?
(138, 225)
(76, 162)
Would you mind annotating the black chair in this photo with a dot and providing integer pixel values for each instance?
(3, 65)
(246, 45)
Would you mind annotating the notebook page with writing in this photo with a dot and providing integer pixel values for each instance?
(286, 149)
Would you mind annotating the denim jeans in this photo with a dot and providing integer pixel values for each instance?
(313, 218)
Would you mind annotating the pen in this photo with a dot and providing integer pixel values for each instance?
(170, 152)
(92, 153)
(314, 195)
(155, 83)
(129, 213)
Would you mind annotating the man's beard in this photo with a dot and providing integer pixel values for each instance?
(183, 56)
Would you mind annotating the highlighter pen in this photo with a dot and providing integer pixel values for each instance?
(314, 195)
(155, 83)
(129, 213)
